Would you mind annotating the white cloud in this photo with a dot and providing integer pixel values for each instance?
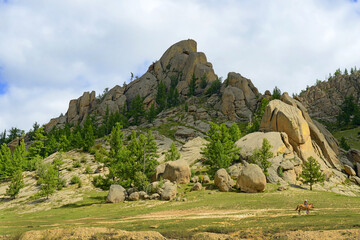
(52, 51)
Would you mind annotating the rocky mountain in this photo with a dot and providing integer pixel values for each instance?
(323, 100)
(181, 62)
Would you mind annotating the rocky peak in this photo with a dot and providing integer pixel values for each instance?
(323, 100)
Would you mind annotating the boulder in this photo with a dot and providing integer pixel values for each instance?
(197, 187)
(235, 169)
(177, 171)
(254, 140)
(251, 179)
(287, 165)
(134, 196)
(116, 194)
(355, 179)
(223, 180)
(169, 191)
(349, 170)
(195, 179)
(354, 155)
(206, 179)
(159, 171)
(358, 169)
(184, 132)
(143, 195)
(154, 196)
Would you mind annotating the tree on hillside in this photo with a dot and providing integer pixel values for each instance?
(276, 94)
(16, 184)
(38, 148)
(261, 156)
(350, 113)
(234, 132)
(311, 172)
(214, 87)
(137, 109)
(256, 121)
(221, 150)
(161, 96)
(203, 81)
(48, 181)
(172, 154)
(151, 114)
(192, 85)
(88, 134)
(344, 144)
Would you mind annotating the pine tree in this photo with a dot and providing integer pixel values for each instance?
(276, 94)
(6, 164)
(161, 96)
(16, 184)
(234, 132)
(38, 147)
(214, 88)
(221, 150)
(192, 85)
(88, 133)
(311, 172)
(343, 144)
(49, 181)
(151, 114)
(203, 81)
(137, 109)
(172, 154)
(261, 156)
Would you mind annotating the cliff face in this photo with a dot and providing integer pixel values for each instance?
(323, 100)
(238, 98)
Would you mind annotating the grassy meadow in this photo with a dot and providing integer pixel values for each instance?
(203, 211)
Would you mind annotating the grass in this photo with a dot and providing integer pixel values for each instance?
(352, 136)
(270, 211)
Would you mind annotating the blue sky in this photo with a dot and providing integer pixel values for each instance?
(53, 51)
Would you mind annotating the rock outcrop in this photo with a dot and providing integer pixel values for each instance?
(223, 180)
(251, 179)
(289, 116)
(324, 99)
(239, 98)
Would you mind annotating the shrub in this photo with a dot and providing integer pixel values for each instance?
(75, 180)
(76, 164)
(88, 170)
(214, 88)
(16, 184)
(311, 172)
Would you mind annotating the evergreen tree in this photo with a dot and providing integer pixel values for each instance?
(14, 133)
(346, 72)
(203, 81)
(137, 109)
(276, 94)
(3, 137)
(49, 181)
(221, 151)
(343, 144)
(255, 124)
(172, 154)
(234, 132)
(6, 165)
(151, 114)
(214, 88)
(19, 157)
(161, 96)
(261, 156)
(38, 147)
(88, 133)
(348, 109)
(311, 172)
(16, 184)
(192, 85)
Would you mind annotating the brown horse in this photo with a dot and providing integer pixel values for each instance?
(303, 207)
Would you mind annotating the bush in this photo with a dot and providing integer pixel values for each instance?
(214, 88)
(344, 144)
(16, 184)
(76, 164)
(88, 170)
(102, 183)
(75, 180)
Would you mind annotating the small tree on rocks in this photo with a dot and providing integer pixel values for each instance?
(311, 172)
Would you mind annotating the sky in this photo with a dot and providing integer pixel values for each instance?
(52, 51)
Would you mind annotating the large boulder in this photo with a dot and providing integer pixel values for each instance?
(254, 140)
(116, 194)
(223, 180)
(168, 191)
(177, 171)
(349, 170)
(134, 196)
(251, 179)
(80, 108)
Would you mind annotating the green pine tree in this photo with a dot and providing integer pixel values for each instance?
(261, 156)
(221, 151)
(192, 85)
(203, 81)
(16, 184)
(234, 132)
(276, 94)
(137, 109)
(161, 96)
(172, 154)
(151, 114)
(311, 172)
(88, 133)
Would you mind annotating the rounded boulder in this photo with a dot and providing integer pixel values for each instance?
(251, 179)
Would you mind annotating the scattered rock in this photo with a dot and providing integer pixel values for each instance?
(177, 171)
(223, 180)
(234, 170)
(349, 170)
(134, 196)
(282, 188)
(116, 194)
(169, 191)
(251, 179)
(143, 195)
(197, 187)
(195, 179)
(155, 196)
(206, 179)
